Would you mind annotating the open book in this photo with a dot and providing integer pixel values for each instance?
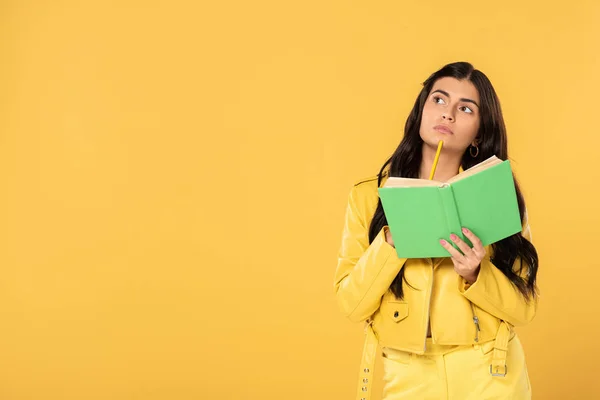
(420, 212)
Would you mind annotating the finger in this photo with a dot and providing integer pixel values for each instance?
(453, 252)
(477, 245)
(465, 248)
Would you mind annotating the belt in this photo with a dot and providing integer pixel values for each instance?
(367, 362)
(497, 367)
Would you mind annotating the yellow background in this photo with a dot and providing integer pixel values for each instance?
(174, 177)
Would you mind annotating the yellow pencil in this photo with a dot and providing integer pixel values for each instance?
(437, 157)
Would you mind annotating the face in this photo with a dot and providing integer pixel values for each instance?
(451, 114)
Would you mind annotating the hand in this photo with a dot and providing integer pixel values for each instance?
(388, 237)
(466, 264)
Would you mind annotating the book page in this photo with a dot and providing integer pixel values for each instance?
(394, 181)
(490, 162)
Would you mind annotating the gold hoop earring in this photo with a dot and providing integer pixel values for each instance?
(476, 151)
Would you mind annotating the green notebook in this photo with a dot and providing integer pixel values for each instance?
(420, 212)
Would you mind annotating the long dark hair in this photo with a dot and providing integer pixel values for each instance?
(491, 139)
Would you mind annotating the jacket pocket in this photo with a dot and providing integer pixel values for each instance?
(395, 310)
(487, 324)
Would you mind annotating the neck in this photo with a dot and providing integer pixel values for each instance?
(447, 167)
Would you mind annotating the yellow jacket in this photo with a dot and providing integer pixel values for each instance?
(459, 313)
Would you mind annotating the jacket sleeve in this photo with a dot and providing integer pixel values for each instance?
(364, 272)
(494, 293)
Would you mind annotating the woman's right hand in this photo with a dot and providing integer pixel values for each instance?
(388, 236)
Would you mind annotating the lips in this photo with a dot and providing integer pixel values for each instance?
(443, 129)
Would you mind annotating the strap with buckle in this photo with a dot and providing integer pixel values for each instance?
(498, 366)
(367, 364)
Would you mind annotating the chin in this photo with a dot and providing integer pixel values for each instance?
(433, 138)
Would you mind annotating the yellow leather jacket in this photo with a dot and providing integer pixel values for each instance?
(458, 313)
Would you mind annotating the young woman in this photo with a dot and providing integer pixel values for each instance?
(445, 326)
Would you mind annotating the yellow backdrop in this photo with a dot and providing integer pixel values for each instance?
(174, 177)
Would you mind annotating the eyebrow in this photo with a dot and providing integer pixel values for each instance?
(463, 99)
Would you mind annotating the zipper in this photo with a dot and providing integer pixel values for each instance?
(476, 322)
(428, 320)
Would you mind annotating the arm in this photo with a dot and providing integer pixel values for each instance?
(364, 272)
(494, 293)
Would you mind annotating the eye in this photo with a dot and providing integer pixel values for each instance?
(466, 109)
(436, 99)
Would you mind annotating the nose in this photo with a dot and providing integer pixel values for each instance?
(448, 117)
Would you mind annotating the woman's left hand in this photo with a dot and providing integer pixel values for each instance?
(466, 264)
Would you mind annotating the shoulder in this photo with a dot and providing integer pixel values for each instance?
(364, 195)
(370, 181)
(365, 189)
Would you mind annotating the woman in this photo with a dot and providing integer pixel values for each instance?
(445, 325)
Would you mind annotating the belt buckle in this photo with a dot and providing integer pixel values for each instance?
(497, 373)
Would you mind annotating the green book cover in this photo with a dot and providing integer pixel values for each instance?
(421, 212)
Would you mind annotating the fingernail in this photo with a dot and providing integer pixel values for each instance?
(453, 237)
(443, 242)
(465, 230)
